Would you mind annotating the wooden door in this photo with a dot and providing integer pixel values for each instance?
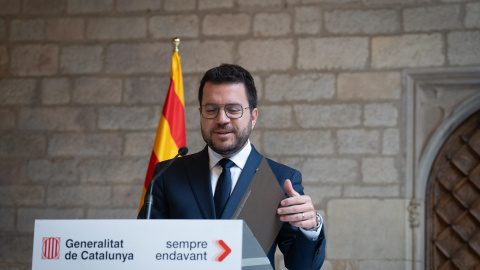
(453, 201)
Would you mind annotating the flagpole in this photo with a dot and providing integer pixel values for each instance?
(176, 43)
(171, 133)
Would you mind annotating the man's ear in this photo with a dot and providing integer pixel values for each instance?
(254, 117)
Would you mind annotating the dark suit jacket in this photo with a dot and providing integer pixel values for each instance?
(184, 192)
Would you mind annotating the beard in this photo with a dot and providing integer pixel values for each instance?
(241, 137)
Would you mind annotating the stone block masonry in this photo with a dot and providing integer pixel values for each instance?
(82, 84)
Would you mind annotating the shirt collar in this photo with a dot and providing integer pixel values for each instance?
(240, 158)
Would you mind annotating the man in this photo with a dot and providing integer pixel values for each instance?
(190, 188)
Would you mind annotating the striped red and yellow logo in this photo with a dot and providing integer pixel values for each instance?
(51, 248)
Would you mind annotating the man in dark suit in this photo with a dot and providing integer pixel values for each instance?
(192, 187)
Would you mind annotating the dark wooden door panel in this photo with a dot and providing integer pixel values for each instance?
(453, 201)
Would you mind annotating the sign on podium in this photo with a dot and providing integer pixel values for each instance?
(159, 244)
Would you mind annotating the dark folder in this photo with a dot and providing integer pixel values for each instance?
(259, 204)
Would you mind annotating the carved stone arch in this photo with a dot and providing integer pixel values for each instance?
(437, 102)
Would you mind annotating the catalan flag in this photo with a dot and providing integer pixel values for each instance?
(171, 134)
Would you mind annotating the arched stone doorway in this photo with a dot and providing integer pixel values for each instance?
(437, 102)
(453, 201)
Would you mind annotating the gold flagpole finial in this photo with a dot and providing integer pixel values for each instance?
(176, 43)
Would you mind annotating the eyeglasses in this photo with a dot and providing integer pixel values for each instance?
(233, 111)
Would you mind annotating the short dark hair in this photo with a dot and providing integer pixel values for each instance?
(229, 73)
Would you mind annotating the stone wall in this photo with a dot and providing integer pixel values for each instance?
(82, 84)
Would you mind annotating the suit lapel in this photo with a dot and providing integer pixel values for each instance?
(199, 175)
(253, 162)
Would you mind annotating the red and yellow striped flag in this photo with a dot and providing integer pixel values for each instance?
(171, 134)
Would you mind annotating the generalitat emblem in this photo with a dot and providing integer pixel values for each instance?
(51, 248)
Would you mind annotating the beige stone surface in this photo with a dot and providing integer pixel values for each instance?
(260, 3)
(269, 54)
(21, 30)
(184, 25)
(358, 141)
(268, 25)
(116, 28)
(85, 144)
(7, 119)
(370, 191)
(117, 171)
(422, 50)
(34, 60)
(366, 229)
(8, 222)
(380, 114)
(127, 196)
(22, 195)
(10, 6)
(139, 5)
(58, 171)
(89, 6)
(3, 58)
(138, 143)
(387, 85)
(3, 30)
(65, 29)
(432, 18)
(308, 87)
(274, 117)
(128, 58)
(199, 56)
(329, 170)
(22, 145)
(145, 90)
(17, 91)
(391, 141)
(463, 46)
(55, 91)
(362, 22)
(128, 118)
(91, 90)
(332, 116)
(81, 59)
(379, 265)
(192, 117)
(292, 142)
(332, 53)
(379, 170)
(212, 4)
(57, 119)
(176, 5)
(226, 24)
(308, 20)
(472, 18)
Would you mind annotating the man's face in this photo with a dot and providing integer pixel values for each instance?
(224, 135)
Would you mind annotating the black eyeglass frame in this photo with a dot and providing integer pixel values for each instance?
(218, 106)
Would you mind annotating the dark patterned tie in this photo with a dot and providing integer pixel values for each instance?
(224, 185)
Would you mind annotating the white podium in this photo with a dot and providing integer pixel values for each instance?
(150, 244)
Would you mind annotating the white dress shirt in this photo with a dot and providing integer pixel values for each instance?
(240, 159)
